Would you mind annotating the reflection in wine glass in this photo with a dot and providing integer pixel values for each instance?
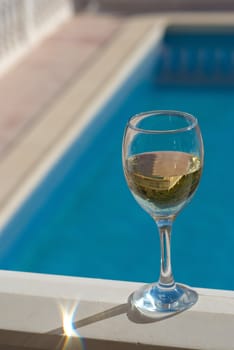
(163, 161)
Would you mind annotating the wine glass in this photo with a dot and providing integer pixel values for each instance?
(162, 160)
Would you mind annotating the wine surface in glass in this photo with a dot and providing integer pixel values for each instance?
(163, 182)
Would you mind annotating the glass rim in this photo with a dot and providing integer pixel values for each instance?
(139, 116)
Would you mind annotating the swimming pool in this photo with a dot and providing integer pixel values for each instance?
(83, 221)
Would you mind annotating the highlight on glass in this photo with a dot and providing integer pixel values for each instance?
(162, 155)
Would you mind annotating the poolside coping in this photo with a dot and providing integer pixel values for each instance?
(40, 141)
(39, 310)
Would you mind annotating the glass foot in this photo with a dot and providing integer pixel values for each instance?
(150, 300)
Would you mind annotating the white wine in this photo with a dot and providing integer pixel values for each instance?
(162, 182)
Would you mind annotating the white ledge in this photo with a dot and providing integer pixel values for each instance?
(37, 307)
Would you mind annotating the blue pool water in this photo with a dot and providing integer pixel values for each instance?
(82, 220)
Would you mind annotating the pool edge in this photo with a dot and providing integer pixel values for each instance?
(99, 309)
(65, 119)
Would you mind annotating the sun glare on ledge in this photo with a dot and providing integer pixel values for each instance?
(69, 331)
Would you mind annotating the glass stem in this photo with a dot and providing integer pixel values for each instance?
(166, 279)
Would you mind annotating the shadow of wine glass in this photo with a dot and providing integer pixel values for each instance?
(132, 313)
